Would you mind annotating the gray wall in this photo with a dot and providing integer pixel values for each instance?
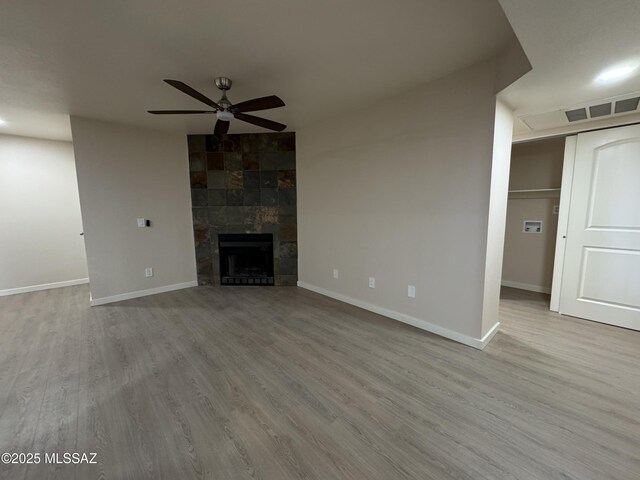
(401, 192)
(528, 257)
(40, 215)
(125, 173)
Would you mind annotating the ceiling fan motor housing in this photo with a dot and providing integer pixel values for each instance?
(223, 83)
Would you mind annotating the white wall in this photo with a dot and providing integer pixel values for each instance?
(40, 223)
(502, 134)
(400, 191)
(125, 173)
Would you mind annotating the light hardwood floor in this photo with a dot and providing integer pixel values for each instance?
(281, 383)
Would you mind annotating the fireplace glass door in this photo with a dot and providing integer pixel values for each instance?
(246, 259)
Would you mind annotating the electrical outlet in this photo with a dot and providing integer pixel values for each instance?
(372, 282)
(142, 222)
(148, 272)
(411, 291)
(336, 273)
(556, 209)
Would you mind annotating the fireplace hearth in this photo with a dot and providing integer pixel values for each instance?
(246, 259)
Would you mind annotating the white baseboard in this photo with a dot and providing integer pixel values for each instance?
(478, 343)
(44, 286)
(489, 335)
(142, 293)
(526, 286)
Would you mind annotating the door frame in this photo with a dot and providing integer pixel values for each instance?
(563, 219)
(571, 140)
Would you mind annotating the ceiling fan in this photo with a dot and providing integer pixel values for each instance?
(226, 111)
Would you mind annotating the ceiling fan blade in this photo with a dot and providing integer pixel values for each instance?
(261, 122)
(221, 127)
(184, 88)
(262, 103)
(178, 112)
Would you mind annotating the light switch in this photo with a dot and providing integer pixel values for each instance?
(148, 272)
(411, 291)
(142, 222)
(336, 274)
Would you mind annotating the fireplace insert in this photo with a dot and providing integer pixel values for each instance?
(246, 258)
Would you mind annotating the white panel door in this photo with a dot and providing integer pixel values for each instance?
(601, 274)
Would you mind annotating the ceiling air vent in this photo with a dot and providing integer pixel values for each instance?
(577, 114)
(600, 110)
(624, 105)
(597, 109)
(627, 105)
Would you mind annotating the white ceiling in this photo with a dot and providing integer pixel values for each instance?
(106, 59)
(569, 42)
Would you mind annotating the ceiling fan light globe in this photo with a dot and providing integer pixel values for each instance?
(224, 115)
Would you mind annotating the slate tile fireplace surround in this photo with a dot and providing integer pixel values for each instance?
(244, 184)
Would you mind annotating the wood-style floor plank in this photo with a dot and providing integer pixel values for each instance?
(281, 383)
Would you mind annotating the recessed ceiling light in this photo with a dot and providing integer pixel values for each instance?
(615, 74)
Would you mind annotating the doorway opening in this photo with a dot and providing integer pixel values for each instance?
(532, 217)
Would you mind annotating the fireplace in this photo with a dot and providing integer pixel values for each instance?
(246, 258)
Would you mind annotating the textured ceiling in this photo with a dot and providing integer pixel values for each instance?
(568, 43)
(107, 59)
